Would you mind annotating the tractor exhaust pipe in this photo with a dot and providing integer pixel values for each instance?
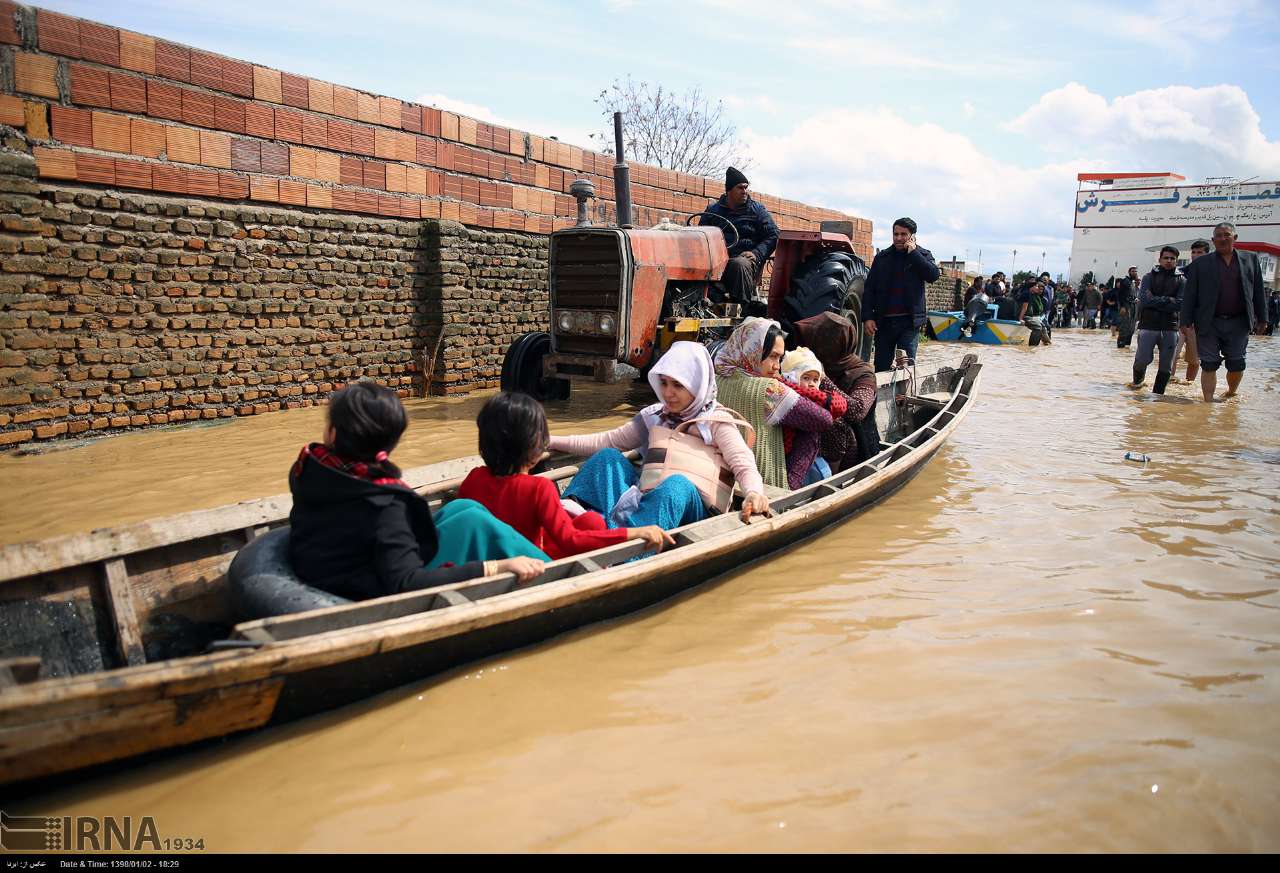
(621, 175)
(582, 191)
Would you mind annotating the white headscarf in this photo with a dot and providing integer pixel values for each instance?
(799, 361)
(690, 365)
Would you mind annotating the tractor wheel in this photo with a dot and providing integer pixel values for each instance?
(852, 310)
(830, 282)
(522, 369)
(714, 347)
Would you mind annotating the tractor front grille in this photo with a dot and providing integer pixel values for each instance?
(587, 273)
(586, 270)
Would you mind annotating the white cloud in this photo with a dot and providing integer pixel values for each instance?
(878, 165)
(1168, 22)
(1197, 132)
(835, 13)
(461, 107)
(761, 103)
(968, 108)
(877, 53)
(574, 135)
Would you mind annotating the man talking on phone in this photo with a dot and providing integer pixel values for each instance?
(893, 299)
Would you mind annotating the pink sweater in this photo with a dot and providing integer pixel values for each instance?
(634, 435)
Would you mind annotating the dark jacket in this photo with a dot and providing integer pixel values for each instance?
(356, 539)
(756, 230)
(920, 271)
(1127, 292)
(1200, 294)
(1160, 300)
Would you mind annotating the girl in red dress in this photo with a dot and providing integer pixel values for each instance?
(513, 436)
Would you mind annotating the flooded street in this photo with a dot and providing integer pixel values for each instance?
(1034, 646)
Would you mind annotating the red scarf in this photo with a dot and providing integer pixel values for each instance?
(833, 401)
(329, 458)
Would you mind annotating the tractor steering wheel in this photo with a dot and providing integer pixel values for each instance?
(720, 218)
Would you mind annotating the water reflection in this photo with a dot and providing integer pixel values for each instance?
(1007, 654)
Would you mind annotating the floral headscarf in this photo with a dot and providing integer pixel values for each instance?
(740, 358)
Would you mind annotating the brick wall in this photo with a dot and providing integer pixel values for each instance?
(124, 310)
(485, 289)
(187, 235)
(941, 294)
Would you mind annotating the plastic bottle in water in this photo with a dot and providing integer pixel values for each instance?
(1136, 456)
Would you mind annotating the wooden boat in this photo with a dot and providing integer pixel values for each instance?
(992, 332)
(105, 638)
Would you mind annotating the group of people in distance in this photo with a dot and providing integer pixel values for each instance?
(1036, 303)
(1207, 309)
(359, 531)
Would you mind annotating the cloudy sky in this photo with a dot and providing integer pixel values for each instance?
(973, 117)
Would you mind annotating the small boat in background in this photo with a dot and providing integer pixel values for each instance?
(948, 327)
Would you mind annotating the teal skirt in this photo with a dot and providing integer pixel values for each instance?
(466, 532)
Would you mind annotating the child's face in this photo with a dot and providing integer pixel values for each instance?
(675, 397)
(811, 379)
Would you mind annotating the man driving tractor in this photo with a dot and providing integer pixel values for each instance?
(757, 236)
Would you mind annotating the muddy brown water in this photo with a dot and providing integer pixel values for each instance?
(1035, 645)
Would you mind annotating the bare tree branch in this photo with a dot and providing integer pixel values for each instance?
(685, 132)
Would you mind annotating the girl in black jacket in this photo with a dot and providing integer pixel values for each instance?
(357, 530)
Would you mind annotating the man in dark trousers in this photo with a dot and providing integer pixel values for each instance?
(1127, 307)
(1223, 299)
(893, 298)
(1159, 304)
(1187, 335)
(756, 238)
(1110, 307)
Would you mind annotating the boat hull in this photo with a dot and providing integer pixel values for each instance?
(992, 332)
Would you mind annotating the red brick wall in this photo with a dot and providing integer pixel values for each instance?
(134, 111)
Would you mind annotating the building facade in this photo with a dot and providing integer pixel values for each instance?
(1123, 220)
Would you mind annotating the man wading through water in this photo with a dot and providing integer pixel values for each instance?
(1223, 298)
(1159, 305)
(1187, 335)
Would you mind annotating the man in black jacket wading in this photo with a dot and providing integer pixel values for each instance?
(1159, 304)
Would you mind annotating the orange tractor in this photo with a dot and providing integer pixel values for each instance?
(623, 295)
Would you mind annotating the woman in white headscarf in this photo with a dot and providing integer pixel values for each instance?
(685, 384)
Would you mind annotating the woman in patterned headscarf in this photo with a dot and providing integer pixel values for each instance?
(748, 367)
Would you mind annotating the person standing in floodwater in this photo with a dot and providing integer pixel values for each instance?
(1187, 335)
(1159, 305)
(893, 298)
(1222, 300)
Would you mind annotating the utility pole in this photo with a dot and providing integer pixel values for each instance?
(1013, 269)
